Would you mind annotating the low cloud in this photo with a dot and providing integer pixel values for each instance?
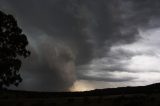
(140, 64)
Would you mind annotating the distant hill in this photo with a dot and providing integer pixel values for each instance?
(122, 96)
(149, 89)
(153, 88)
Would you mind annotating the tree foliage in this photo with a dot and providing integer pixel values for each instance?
(12, 47)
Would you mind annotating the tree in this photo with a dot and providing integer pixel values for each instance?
(12, 48)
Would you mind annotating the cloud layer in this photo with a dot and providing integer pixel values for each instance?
(88, 40)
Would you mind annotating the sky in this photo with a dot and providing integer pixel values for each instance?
(79, 45)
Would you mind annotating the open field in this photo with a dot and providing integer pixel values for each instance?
(116, 100)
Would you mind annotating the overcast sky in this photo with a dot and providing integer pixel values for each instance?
(88, 44)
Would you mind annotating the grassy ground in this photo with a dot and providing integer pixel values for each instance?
(115, 100)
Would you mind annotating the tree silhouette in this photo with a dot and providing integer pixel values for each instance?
(12, 48)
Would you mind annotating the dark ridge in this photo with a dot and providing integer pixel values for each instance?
(150, 89)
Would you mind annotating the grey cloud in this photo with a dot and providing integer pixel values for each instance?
(87, 30)
(127, 18)
(107, 76)
(50, 70)
(78, 23)
(109, 79)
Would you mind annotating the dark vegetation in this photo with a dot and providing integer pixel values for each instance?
(12, 47)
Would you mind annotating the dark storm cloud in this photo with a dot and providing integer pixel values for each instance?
(108, 79)
(86, 30)
(87, 24)
(50, 70)
(122, 23)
